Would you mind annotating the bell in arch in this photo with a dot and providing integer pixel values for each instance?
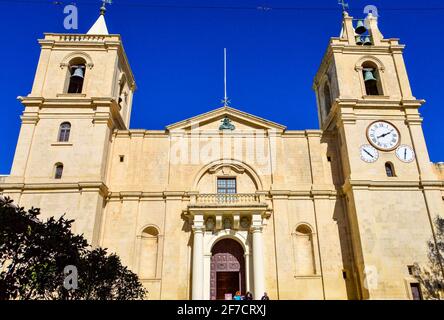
(359, 40)
(78, 72)
(360, 27)
(369, 76)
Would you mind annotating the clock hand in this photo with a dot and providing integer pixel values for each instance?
(405, 153)
(385, 134)
(368, 153)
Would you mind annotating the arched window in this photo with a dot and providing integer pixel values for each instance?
(77, 68)
(58, 171)
(148, 253)
(390, 169)
(372, 80)
(303, 250)
(327, 99)
(64, 132)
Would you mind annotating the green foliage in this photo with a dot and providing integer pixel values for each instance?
(431, 277)
(33, 255)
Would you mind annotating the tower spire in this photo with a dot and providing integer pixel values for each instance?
(99, 27)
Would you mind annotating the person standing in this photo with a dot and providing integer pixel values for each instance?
(265, 296)
(237, 296)
(248, 296)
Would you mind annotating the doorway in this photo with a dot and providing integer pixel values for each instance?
(226, 282)
(227, 269)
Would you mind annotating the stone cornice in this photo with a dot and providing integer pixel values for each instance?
(311, 191)
(84, 186)
(393, 185)
(313, 133)
(73, 39)
(134, 133)
(140, 133)
(378, 102)
(315, 191)
(343, 110)
(139, 195)
(67, 100)
(106, 109)
(296, 133)
(388, 46)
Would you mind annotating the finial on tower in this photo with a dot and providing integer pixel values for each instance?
(99, 27)
(344, 6)
(103, 7)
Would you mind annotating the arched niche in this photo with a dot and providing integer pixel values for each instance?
(148, 252)
(304, 250)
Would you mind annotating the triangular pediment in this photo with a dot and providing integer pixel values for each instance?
(212, 120)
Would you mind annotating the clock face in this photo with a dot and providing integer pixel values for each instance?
(405, 153)
(383, 135)
(368, 153)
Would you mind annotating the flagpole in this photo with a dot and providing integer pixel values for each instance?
(225, 76)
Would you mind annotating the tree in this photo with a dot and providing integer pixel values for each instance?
(431, 277)
(34, 254)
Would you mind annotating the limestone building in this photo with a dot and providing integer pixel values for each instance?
(229, 201)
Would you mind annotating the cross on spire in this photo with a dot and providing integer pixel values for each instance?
(103, 8)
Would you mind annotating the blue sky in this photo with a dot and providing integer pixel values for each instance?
(176, 55)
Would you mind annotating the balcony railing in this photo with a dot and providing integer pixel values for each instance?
(228, 199)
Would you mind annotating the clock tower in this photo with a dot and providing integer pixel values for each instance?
(371, 119)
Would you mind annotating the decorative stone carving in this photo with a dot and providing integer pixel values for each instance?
(227, 223)
(226, 124)
(245, 223)
(210, 224)
(227, 167)
(65, 65)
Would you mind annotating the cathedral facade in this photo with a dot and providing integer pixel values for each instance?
(226, 200)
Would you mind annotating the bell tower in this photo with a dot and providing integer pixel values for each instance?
(82, 92)
(371, 119)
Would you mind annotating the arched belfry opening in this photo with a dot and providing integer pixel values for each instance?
(327, 99)
(372, 79)
(76, 74)
(227, 269)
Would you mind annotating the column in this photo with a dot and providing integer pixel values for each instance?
(197, 284)
(258, 258)
(247, 272)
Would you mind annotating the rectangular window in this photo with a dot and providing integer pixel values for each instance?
(411, 270)
(226, 185)
(416, 291)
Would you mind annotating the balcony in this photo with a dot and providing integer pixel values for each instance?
(227, 203)
(228, 199)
